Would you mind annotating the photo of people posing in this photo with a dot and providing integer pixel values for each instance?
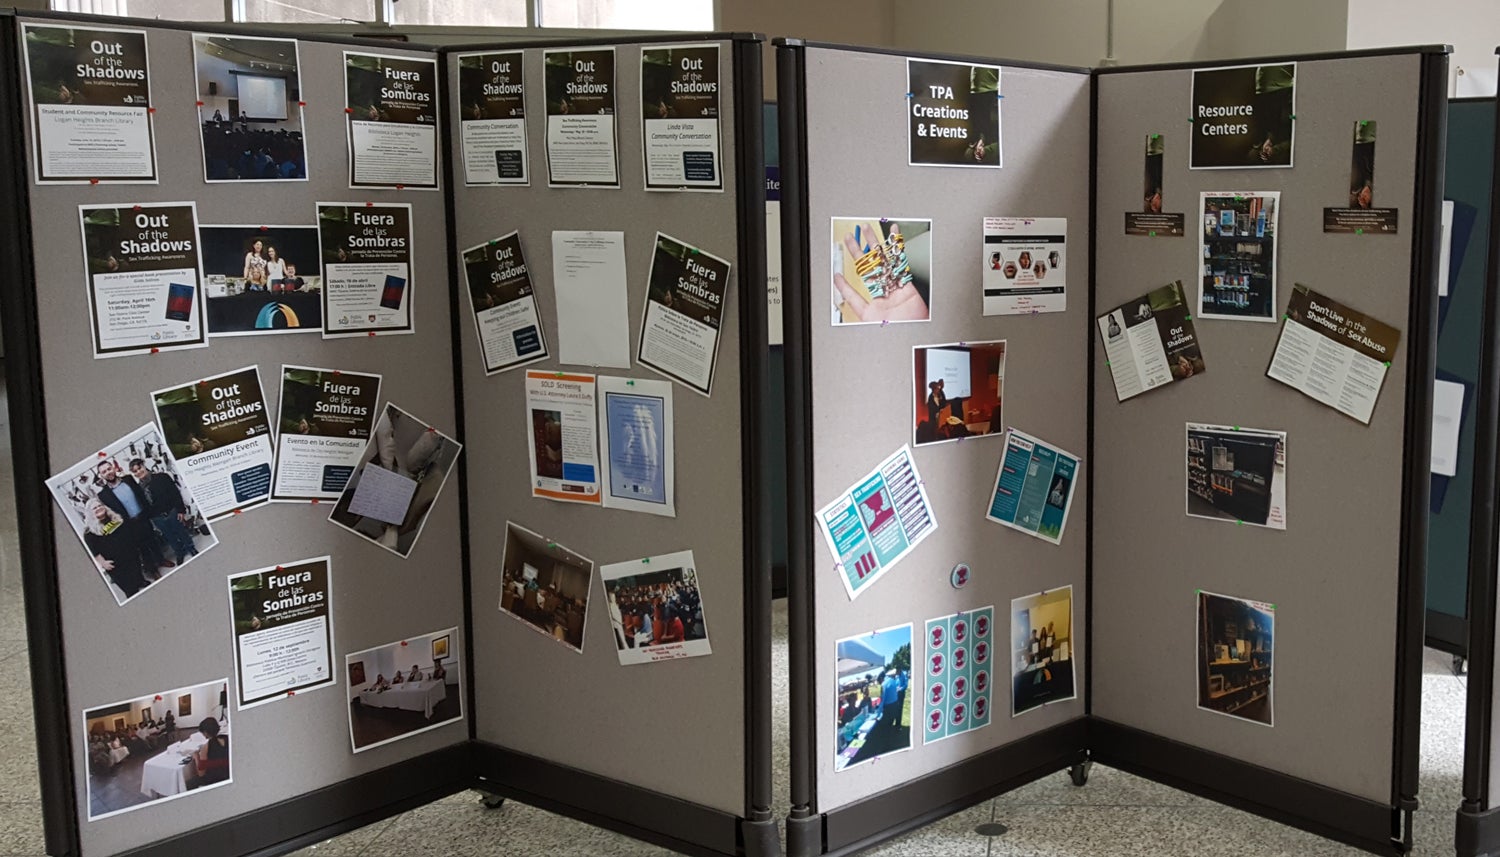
(157, 747)
(545, 585)
(958, 390)
(133, 512)
(262, 279)
(249, 109)
(656, 608)
(404, 688)
(398, 481)
(1041, 637)
(1236, 474)
(882, 270)
(873, 706)
(1235, 638)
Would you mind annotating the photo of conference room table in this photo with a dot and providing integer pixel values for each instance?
(423, 695)
(172, 771)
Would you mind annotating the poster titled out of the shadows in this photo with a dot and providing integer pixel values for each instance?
(143, 268)
(492, 118)
(220, 434)
(680, 117)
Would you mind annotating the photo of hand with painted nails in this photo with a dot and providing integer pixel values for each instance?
(881, 270)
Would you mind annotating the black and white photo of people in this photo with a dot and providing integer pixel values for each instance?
(157, 747)
(655, 608)
(397, 482)
(249, 108)
(262, 279)
(546, 586)
(133, 512)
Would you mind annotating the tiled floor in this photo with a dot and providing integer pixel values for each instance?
(1115, 815)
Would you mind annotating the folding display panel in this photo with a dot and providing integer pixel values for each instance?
(570, 741)
(1292, 569)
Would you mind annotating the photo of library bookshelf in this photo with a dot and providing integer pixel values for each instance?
(1236, 474)
(1235, 639)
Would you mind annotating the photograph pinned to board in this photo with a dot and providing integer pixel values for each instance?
(960, 651)
(1235, 642)
(262, 279)
(958, 390)
(874, 700)
(219, 432)
(90, 99)
(954, 114)
(143, 272)
(592, 294)
(249, 108)
(1151, 220)
(680, 117)
(1034, 487)
(159, 746)
(656, 608)
(1041, 646)
(130, 507)
(492, 118)
(367, 268)
(1238, 247)
(882, 270)
(561, 422)
(582, 139)
(1236, 474)
(503, 300)
(687, 294)
(325, 420)
(1360, 216)
(1244, 117)
(1150, 342)
(391, 107)
(637, 445)
(404, 688)
(397, 482)
(877, 522)
(1025, 265)
(282, 617)
(1335, 354)
(545, 586)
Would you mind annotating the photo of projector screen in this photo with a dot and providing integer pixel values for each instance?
(952, 368)
(957, 389)
(262, 98)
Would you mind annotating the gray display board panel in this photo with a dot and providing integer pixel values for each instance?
(1334, 573)
(862, 391)
(178, 633)
(675, 727)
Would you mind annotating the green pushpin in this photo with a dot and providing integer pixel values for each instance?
(1152, 233)
(630, 383)
(1387, 364)
(1239, 523)
(559, 374)
(1293, 116)
(1187, 318)
(1362, 122)
(1106, 363)
(1359, 232)
(1236, 428)
(647, 560)
(552, 545)
(1158, 136)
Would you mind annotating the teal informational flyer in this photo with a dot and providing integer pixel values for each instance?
(876, 523)
(1034, 487)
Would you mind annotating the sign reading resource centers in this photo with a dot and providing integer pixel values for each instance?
(957, 673)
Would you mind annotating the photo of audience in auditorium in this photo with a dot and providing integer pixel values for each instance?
(656, 614)
(249, 108)
(545, 585)
(134, 514)
(157, 747)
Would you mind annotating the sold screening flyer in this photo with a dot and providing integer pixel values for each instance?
(1033, 487)
(684, 311)
(1335, 354)
(492, 118)
(392, 111)
(1150, 342)
(90, 93)
(366, 268)
(1025, 265)
(219, 432)
(953, 114)
(144, 275)
(283, 630)
(582, 146)
(504, 303)
(680, 117)
(877, 522)
(325, 421)
(960, 650)
(561, 418)
(1243, 117)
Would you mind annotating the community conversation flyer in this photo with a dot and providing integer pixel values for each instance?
(325, 421)
(877, 522)
(283, 630)
(680, 117)
(1034, 487)
(220, 434)
(582, 150)
(1336, 355)
(492, 118)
